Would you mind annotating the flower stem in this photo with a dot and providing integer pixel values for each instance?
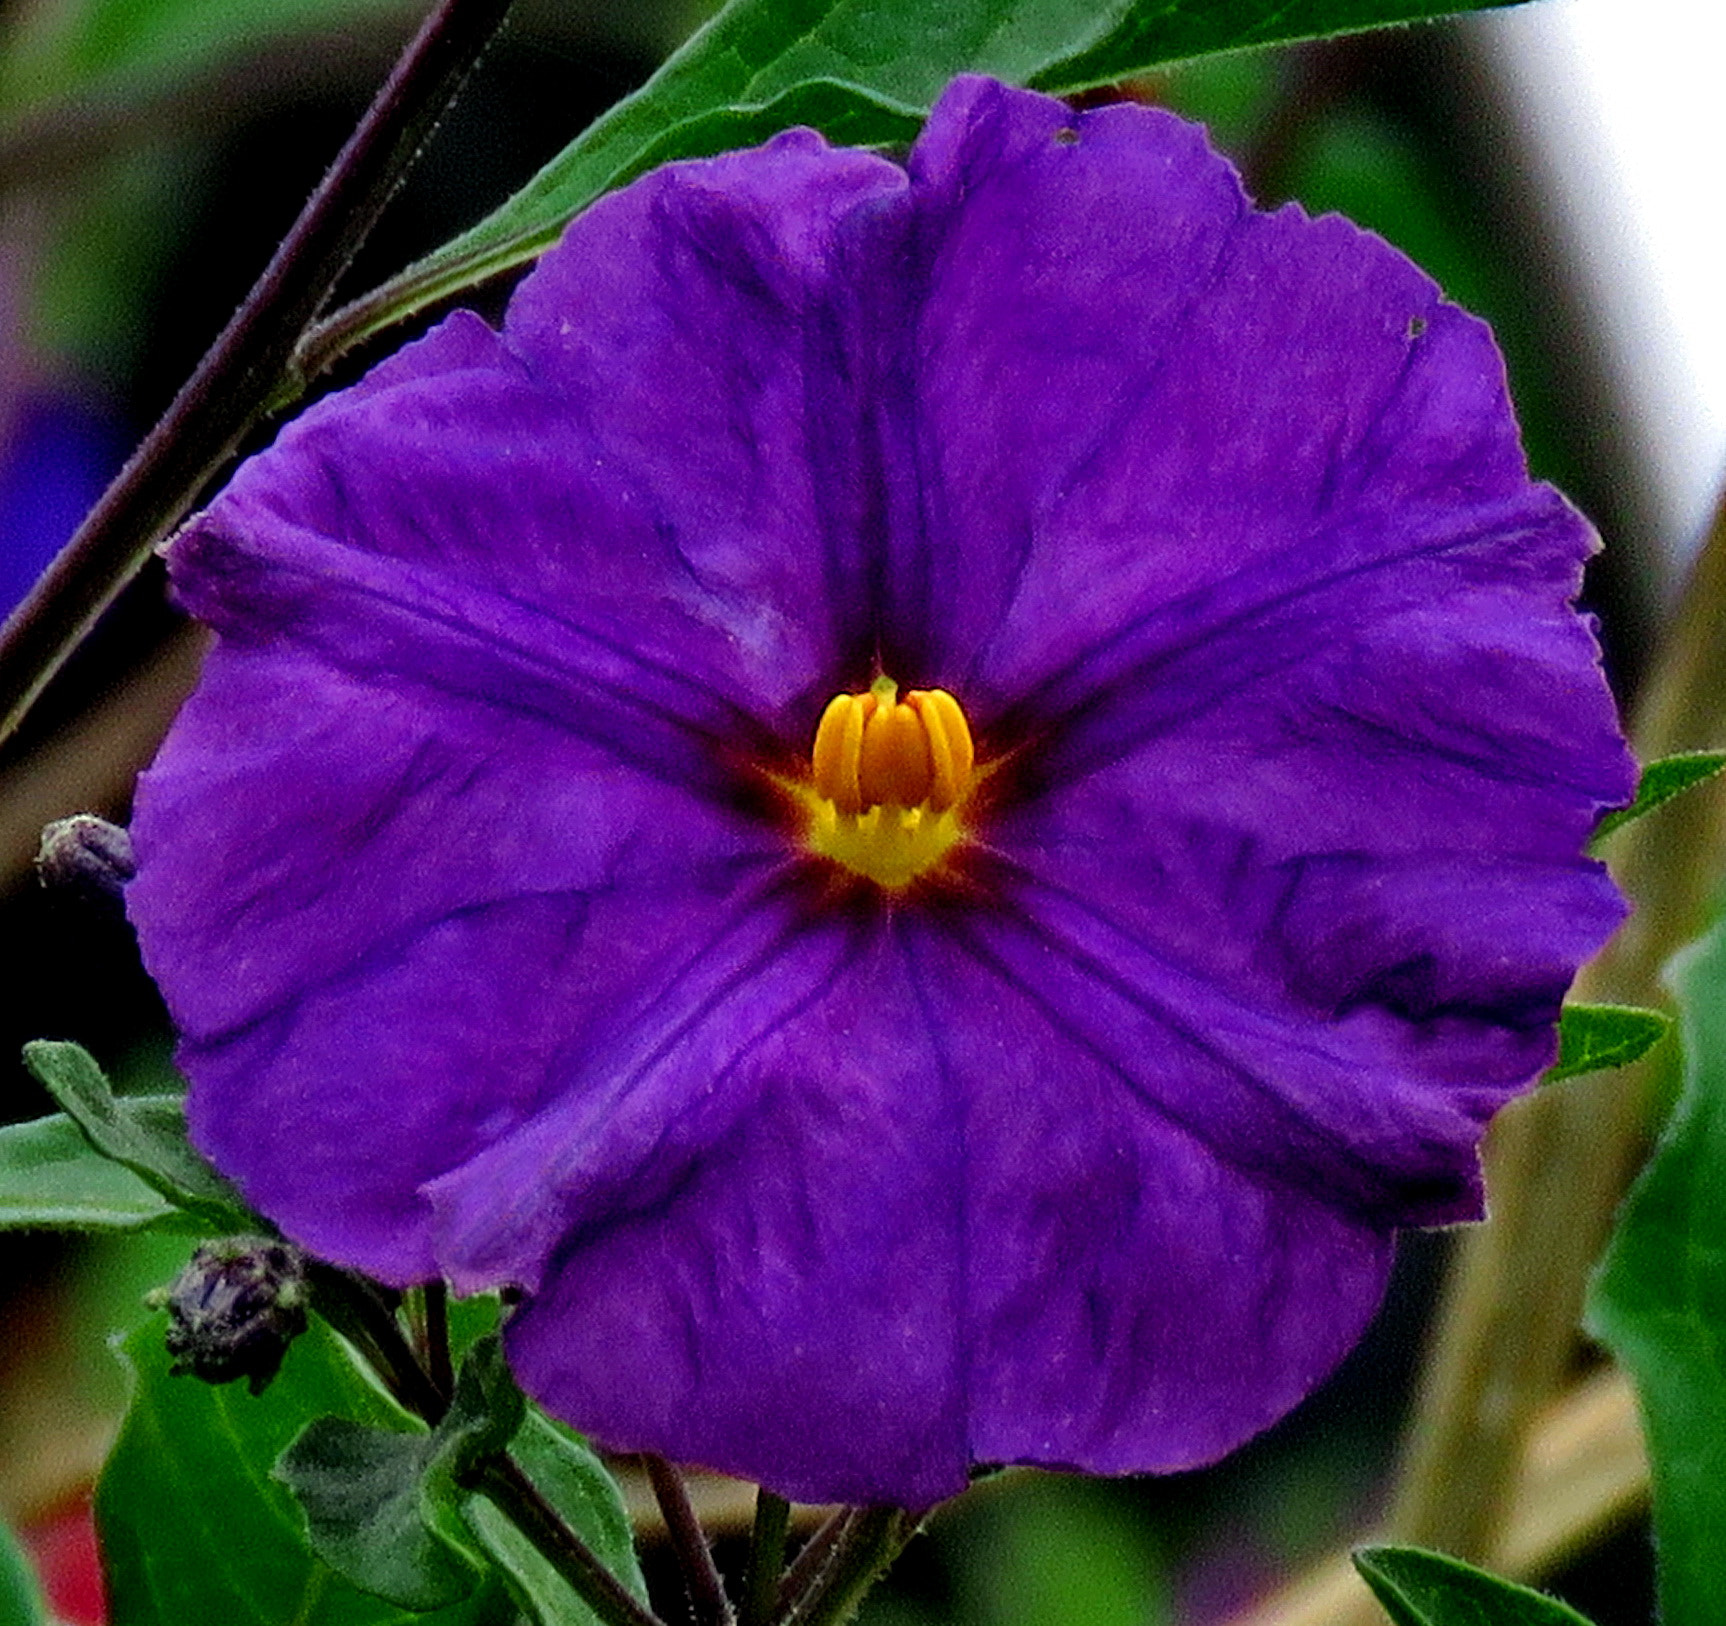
(766, 1557)
(355, 1308)
(247, 371)
(871, 1540)
(435, 1308)
(689, 1542)
(502, 1482)
(813, 1557)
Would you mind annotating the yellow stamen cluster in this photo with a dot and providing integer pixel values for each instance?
(890, 776)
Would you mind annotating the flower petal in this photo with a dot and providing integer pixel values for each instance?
(416, 905)
(497, 629)
(1227, 537)
(714, 326)
(1134, 394)
(882, 1271)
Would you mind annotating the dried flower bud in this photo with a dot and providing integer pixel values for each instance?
(235, 1308)
(86, 855)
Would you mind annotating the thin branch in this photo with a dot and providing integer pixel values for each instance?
(870, 1542)
(688, 1540)
(816, 1553)
(247, 369)
(439, 1368)
(502, 1482)
(355, 1308)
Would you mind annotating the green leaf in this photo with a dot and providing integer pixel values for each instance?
(193, 1526)
(52, 1179)
(569, 1476)
(864, 72)
(1659, 1299)
(1592, 1038)
(1418, 1588)
(147, 1134)
(483, 1417)
(360, 1490)
(384, 1508)
(1660, 782)
(1126, 38)
(20, 1597)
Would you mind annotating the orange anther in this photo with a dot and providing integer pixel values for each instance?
(874, 750)
(839, 750)
(895, 769)
(951, 754)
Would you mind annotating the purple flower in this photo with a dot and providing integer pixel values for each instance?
(1064, 1113)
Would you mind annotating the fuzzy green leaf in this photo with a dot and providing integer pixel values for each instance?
(1418, 1588)
(53, 1179)
(195, 1529)
(1592, 1038)
(360, 1490)
(146, 1134)
(20, 1597)
(384, 1508)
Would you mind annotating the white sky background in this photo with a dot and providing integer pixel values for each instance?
(1626, 112)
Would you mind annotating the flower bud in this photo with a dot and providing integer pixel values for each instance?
(235, 1308)
(87, 856)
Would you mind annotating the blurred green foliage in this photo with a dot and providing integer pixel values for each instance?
(96, 47)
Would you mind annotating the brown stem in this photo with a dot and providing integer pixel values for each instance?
(688, 1540)
(813, 1557)
(870, 1542)
(439, 1367)
(247, 369)
(355, 1308)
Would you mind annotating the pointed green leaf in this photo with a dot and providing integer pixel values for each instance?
(1592, 1038)
(20, 1597)
(861, 71)
(359, 1488)
(569, 1476)
(52, 1179)
(194, 1528)
(1418, 1588)
(1659, 1299)
(384, 1508)
(145, 1133)
(1660, 782)
(484, 1413)
(1127, 38)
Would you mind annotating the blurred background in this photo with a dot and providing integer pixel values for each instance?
(1556, 168)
